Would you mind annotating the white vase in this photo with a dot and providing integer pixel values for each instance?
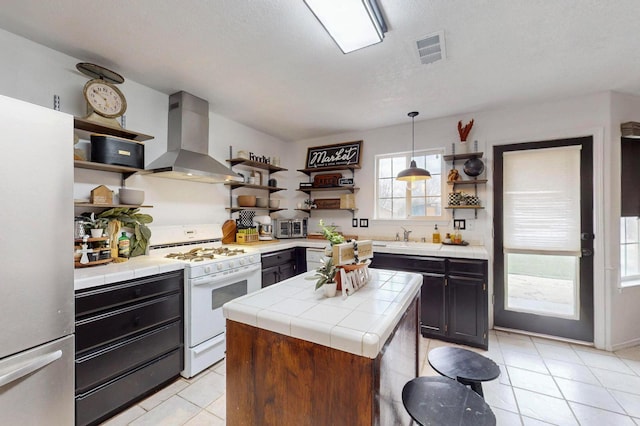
(330, 289)
(96, 233)
(462, 148)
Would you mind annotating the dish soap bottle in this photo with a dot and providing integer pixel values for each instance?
(123, 245)
(436, 236)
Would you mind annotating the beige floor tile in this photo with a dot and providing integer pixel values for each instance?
(509, 343)
(219, 407)
(543, 407)
(504, 417)
(126, 417)
(617, 381)
(572, 371)
(536, 382)
(592, 395)
(630, 402)
(174, 411)
(509, 335)
(204, 418)
(637, 420)
(528, 421)
(629, 353)
(500, 396)
(163, 394)
(605, 360)
(633, 365)
(206, 390)
(524, 361)
(561, 353)
(504, 375)
(553, 342)
(220, 367)
(591, 416)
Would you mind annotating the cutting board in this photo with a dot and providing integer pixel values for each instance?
(229, 231)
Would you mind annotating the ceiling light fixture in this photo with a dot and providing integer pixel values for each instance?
(353, 24)
(413, 173)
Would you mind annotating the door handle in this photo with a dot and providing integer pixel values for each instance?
(30, 367)
(587, 236)
(587, 252)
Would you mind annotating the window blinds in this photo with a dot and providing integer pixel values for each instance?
(542, 199)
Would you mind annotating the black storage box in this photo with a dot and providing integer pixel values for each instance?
(117, 151)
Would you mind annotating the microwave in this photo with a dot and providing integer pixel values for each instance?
(291, 228)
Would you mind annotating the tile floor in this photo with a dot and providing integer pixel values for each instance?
(542, 382)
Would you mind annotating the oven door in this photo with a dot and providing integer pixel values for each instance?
(209, 293)
(283, 229)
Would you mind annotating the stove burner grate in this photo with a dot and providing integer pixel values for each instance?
(199, 254)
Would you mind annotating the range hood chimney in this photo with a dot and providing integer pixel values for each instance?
(187, 156)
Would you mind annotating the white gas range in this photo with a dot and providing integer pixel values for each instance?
(214, 275)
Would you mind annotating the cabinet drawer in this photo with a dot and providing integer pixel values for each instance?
(278, 258)
(99, 404)
(467, 267)
(108, 327)
(103, 365)
(109, 297)
(408, 263)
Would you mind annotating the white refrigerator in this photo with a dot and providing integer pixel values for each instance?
(36, 265)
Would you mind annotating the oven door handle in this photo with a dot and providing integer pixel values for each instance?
(225, 278)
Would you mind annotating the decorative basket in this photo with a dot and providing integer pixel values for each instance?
(455, 198)
(327, 203)
(247, 238)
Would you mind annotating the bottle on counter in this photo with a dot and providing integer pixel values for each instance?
(457, 236)
(124, 244)
(436, 239)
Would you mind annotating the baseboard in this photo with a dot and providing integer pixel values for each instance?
(625, 345)
(544, 336)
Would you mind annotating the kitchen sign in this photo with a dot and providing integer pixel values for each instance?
(342, 154)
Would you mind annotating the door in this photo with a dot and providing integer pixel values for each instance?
(467, 316)
(543, 237)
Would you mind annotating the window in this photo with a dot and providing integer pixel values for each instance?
(629, 251)
(396, 200)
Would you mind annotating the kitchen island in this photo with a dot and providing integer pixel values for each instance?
(295, 357)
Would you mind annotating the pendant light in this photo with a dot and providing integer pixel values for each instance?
(413, 173)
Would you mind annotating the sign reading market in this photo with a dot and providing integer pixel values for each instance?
(341, 154)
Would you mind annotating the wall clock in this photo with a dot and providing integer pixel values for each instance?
(105, 102)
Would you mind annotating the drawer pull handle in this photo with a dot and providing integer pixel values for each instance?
(137, 292)
(29, 368)
(136, 320)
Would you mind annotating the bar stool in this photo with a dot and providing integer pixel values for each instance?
(442, 401)
(465, 366)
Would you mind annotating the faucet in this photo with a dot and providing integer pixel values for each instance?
(406, 234)
(397, 236)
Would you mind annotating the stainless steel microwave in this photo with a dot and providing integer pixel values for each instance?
(291, 228)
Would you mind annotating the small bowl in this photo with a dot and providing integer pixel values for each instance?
(274, 204)
(246, 200)
(262, 202)
(134, 197)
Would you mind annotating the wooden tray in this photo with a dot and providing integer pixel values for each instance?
(464, 243)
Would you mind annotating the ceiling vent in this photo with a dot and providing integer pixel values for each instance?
(431, 48)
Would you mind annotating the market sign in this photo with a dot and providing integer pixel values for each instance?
(341, 154)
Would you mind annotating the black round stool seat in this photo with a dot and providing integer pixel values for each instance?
(442, 401)
(467, 367)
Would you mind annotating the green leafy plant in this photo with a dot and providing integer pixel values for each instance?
(93, 222)
(324, 274)
(130, 218)
(329, 232)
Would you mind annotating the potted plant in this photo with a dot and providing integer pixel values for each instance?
(126, 217)
(325, 276)
(331, 235)
(95, 225)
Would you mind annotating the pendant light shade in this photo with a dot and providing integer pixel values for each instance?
(413, 173)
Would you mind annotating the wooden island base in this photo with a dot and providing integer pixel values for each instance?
(273, 379)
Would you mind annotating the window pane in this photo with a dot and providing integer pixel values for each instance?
(399, 164)
(417, 207)
(418, 188)
(384, 167)
(542, 284)
(631, 231)
(399, 189)
(434, 185)
(419, 161)
(384, 188)
(434, 164)
(384, 208)
(399, 208)
(434, 206)
(631, 256)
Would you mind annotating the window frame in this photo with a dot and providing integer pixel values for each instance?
(630, 280)
(408, 157)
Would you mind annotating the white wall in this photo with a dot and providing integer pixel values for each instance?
(586, 115)
(35, 73)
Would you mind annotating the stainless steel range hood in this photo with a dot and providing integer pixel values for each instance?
(187, 156)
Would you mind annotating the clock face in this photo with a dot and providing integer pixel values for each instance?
(104, 98)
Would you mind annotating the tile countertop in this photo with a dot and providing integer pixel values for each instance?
(358, 324)
(142, 266)
(136, 267)
(396, 247)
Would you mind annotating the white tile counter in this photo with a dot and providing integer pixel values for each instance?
(359, 324)
(135, 267)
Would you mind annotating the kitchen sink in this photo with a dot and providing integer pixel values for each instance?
(407, 244)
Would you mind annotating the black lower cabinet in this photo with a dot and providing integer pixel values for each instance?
(283, 264)
(453, 297)
(129, 342)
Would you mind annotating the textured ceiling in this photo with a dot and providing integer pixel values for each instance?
(270, 65)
